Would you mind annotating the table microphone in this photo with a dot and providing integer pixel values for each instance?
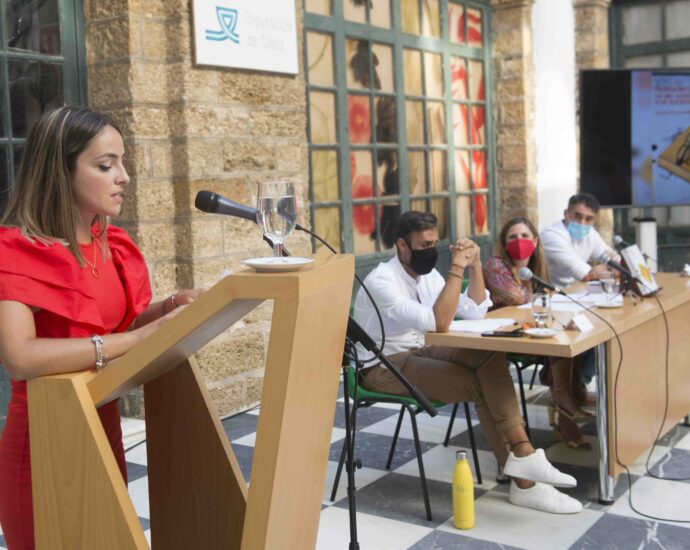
(606, 259)
(620, 243)
(525, 274)
(213, 203)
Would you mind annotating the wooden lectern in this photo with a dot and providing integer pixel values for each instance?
(197, 494)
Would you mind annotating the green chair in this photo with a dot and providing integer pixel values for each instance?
(363, 397)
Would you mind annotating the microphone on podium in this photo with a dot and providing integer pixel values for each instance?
(606, 259)
(525, 274)
(213, 203)
(620, 243)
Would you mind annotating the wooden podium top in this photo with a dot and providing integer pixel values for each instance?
(214, 311)
(569, 343)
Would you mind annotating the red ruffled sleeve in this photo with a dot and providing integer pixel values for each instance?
(133, 272)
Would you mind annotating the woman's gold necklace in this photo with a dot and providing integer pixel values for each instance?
(94, 267)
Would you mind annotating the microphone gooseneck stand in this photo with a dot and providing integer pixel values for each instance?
(356, 334)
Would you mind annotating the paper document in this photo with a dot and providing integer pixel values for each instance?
(479, 325)
(560, 306)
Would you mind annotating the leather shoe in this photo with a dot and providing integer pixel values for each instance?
(545, 498)
(536, 467)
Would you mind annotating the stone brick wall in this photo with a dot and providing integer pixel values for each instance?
(513, 77)
(592, 52)
(189, 128)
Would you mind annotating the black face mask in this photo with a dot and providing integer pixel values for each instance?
(423, 261)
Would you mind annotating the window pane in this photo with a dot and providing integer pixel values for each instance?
(361, 175)
(364, 228)
(386, 129)
(359, 72)
(479, 179)
(456, 19)
(433, 74)
(644, 61)
(320, 55)
(460, 125)
(389, 213)
(463, 216)
(421, 205)
(414, 112)
(477, 81)
(458, 78)
(412, 72)
(438, 173)
(462, 171)
(322, 117)
(380, 13)
(437, 122)
(383, 67)
(4, 178)
(35, 87)
(354, 10)
(677, 17)
(327, 226)
(359, 118)
(33, 26)
(481, 218)
(641, 24)
(440, 208)
(2, 102)
(431, 23)
(410, 16)
(387, 173)
(324, 169)
(475, 31)
(415, 170)
(478, 123)
(318, 6)
(678, 59)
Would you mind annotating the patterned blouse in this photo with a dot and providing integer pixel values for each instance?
(505, 291)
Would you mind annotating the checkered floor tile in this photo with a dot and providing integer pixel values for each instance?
(391, 509)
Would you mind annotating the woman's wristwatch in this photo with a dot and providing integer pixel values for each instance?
(101, 358)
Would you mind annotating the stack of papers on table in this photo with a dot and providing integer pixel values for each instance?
(480, 325)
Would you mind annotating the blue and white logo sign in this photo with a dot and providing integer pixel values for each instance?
(227, 18)
(246, 34)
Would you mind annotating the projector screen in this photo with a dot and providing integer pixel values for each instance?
(635, 136)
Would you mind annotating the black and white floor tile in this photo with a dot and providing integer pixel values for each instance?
(391, 509)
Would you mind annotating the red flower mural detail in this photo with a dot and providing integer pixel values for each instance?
(359, 119)
(363, 217)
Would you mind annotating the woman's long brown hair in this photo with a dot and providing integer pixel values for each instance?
(41, 203)
(537, 262)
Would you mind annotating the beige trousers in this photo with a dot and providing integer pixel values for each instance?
(456, 375)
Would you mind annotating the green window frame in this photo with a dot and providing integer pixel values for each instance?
(464, 200)
(39, 72)
(31, 65)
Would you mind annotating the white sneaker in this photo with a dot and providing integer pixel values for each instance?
(536, 467)
(545, 498)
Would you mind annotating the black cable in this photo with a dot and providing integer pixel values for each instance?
(361, 283)
(615, 413)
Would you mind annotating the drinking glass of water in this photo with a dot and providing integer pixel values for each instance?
(541, 308)
(276, 212)
(609, 287)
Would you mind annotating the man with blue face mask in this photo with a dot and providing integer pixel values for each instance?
(571, 243)
(413, 299)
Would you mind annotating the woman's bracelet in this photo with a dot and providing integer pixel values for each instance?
(455, 274)
(101, 358)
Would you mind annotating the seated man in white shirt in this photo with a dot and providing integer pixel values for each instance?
(413, 299)
(570, 243)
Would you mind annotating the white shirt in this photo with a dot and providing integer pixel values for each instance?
(406, 305)
(567, 259)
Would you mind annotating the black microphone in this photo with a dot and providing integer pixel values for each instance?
(213, 203)
(605, 259)
(620, 243)
(525, 274)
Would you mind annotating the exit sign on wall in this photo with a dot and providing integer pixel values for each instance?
(246, 34)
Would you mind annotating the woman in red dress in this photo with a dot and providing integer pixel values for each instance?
(74, 290)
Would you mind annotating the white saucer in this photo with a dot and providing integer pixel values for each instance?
(541, 332)
(609, 305)
(282, 263)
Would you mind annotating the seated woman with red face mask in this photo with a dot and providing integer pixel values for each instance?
(518, 246)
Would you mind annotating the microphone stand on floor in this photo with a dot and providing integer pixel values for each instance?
(356, 334)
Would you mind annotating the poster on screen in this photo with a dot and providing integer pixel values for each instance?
(257, 35)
